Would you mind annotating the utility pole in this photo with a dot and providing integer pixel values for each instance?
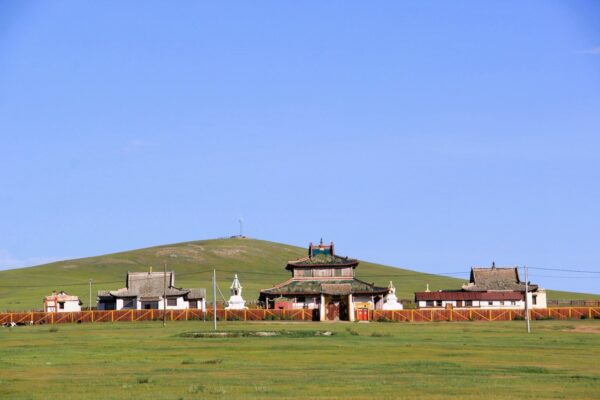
(215, 299)
(527, 300)
(165, 296)
(90, 309)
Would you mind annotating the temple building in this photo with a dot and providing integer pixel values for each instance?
(325, 283)
(489, 288)
(150, 290)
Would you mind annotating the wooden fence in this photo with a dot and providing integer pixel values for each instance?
(476, 314)
(150, 315)
(416, 315)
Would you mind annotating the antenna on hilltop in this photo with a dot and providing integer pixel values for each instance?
(241, 221)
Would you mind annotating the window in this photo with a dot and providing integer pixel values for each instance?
(128, 303)
(490, 303)
(429, 303)
(513, 303)
(534, 299)
(468, 303)
(301, 299)
(193, 303)
(171, 302)
(438, 303)
(61, 305)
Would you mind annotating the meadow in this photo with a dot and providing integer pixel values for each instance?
(558, 360)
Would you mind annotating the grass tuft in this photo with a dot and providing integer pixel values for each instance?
(193, 388)
(352, 332)
(143, 380)
(380, 334)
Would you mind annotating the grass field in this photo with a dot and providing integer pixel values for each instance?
(260, 264)
(559, 360)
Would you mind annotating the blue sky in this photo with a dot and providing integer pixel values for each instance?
(427, 135)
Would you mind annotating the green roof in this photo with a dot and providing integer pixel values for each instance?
(303, 287)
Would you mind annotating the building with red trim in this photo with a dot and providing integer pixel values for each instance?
(489, 288)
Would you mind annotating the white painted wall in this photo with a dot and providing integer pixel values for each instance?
(69, 306)
(182, 304)
(496, 304)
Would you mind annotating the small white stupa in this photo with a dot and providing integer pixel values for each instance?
(390, 301)
(235, 301)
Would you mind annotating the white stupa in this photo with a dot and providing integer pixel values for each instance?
(390, 301)
(235, 301)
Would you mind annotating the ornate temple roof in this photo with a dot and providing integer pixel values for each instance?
(322, 255)
(295, 287)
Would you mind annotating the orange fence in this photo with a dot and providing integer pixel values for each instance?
(149, 315)
(416, 315)
(476, 314)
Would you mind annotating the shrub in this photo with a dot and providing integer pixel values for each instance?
(143, 379)
(53, 329)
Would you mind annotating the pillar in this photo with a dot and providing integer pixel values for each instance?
(322, 308)
(350, 308)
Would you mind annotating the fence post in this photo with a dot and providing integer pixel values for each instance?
(412, 315)
(470, 314)
(112, 316)
(451, 315)
(510, 315)
(590, 312)
(51, 318)
(92, 316)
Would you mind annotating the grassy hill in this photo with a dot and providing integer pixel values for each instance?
(260, 264)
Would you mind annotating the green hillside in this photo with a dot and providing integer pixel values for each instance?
(260, 264)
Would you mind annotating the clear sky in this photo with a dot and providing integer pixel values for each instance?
(427, 135)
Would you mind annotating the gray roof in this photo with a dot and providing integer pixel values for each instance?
(151, 285)
(196, 294)
(483, 279)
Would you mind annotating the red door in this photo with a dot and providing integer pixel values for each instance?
(363, 314)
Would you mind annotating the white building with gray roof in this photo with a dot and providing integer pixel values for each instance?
(147, 290)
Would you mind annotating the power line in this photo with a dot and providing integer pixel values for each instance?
(566, 270)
